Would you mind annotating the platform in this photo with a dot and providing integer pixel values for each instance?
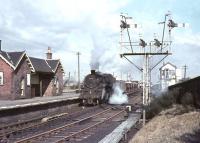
(11, 104)
(117, 134)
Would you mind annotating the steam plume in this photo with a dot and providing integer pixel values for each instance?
(118, 97)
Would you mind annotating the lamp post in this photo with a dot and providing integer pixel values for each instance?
(78, 54)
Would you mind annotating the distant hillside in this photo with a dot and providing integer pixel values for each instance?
(173, 125)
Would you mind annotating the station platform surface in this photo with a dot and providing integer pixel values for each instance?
(118, 133)
(11, 104)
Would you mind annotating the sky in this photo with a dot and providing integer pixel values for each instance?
(91, 27)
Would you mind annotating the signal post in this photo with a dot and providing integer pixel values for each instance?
(149, 50)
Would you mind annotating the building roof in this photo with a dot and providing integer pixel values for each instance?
(15, 57)
(5, 55)
(36, 64)
(12, 58)
(53, 64)
(168, 63)
(40, 65)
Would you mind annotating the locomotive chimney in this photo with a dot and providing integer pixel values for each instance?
(49, 53)
(92, 71)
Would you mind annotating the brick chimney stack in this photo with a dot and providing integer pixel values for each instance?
(49, 54)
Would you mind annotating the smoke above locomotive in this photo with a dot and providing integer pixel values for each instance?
(98, 88)
(94, 65)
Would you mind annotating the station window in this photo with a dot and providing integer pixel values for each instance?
(167, 73)
(28, 76)
(1, 78)
(55, 80)
(57, 87)
(163, 73)
(22, 87)
(56, 84)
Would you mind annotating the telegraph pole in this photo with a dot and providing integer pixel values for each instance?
(69, 79)
(78, 54)
(185, 70)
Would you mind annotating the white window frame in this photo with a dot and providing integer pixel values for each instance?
(22, 87)
(57, 86)
(2, 78)
(55, 80)
(28, 77)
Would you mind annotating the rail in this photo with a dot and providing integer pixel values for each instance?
(59, 128)
(7, 130)
(88, 128)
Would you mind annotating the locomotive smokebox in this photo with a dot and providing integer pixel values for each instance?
(92, 71)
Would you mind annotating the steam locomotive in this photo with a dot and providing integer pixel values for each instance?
(97, 88)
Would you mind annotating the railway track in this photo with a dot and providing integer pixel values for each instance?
(75, 131)
(8, 132)
(11, 128)
(21, 131)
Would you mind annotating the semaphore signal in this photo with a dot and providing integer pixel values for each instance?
(147, 50)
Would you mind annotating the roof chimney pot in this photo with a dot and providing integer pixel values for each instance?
(49, 53)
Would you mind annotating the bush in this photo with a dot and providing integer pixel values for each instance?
(166, 100)
(187, 99)
(160, 103)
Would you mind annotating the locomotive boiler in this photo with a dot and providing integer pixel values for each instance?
(97, 88)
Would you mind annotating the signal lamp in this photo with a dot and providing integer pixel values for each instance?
(142, 43)
(124, 25)
(157, 43)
